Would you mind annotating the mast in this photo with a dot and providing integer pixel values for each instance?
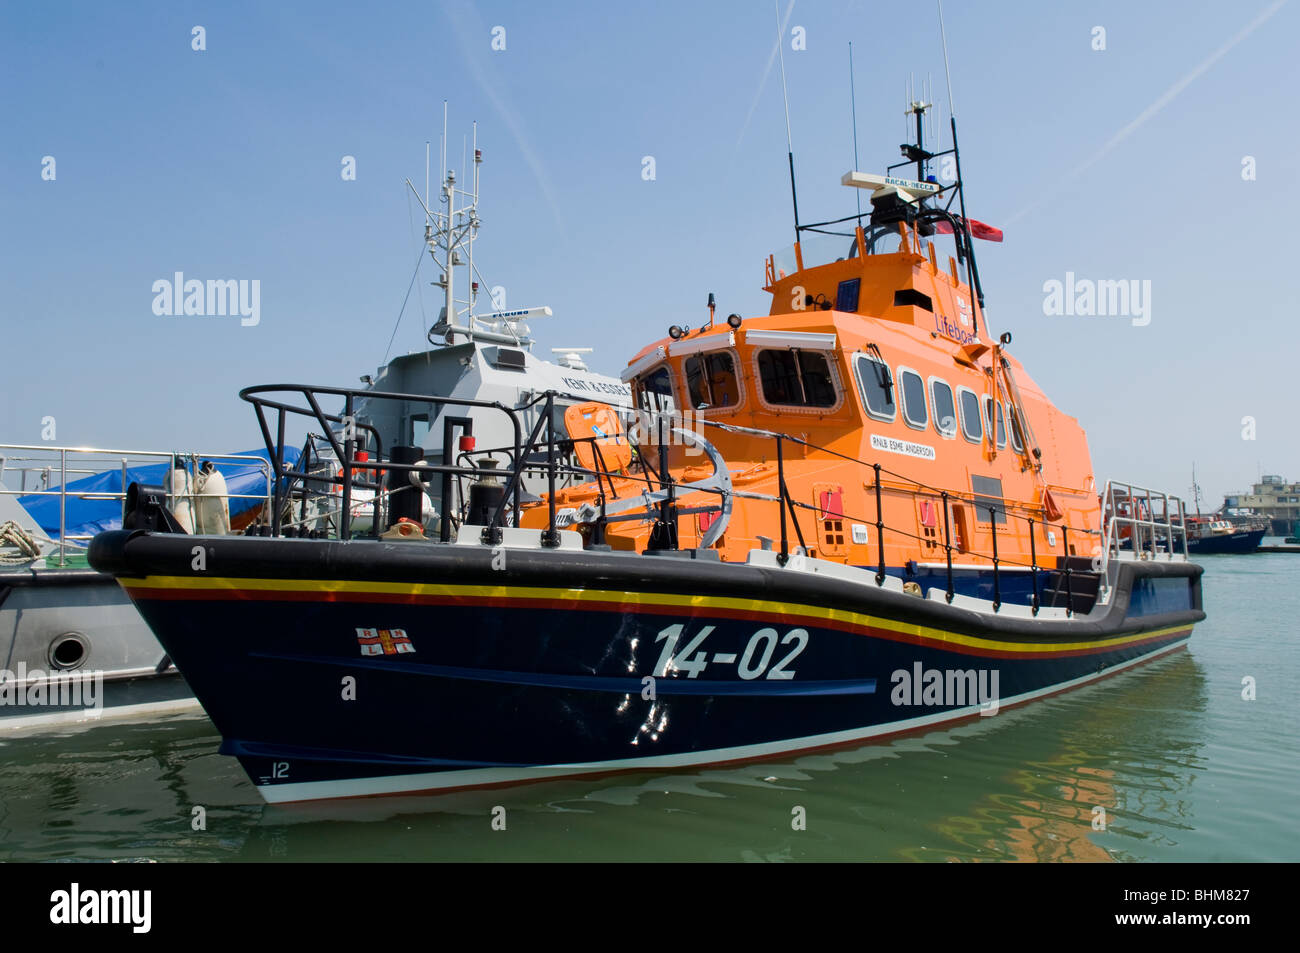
(449, 234)
(919, 106)
(473, 226)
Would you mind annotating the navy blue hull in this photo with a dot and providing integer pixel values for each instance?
(1245, 541)
(334, 669)
(495, 688)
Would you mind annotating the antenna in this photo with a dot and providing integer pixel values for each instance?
(572, 357)
(443, 174)
(853, 101)
(780, 49)
(478, 160)
(952, 106)
(929, 98)
(972, 269)
(473, 229)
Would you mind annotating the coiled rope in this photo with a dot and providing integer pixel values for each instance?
(11, 534)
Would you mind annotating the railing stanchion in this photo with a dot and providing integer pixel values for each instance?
(349, 451)
(1151, 518)
(63, 506)
(1069, 593)
(1169, 529)
(518, 468)
(947, 544)
(1033, 566)
(997, 583)
(780, 493)
(281, 488)
(598, 530)
(551, 537)
(880, 529)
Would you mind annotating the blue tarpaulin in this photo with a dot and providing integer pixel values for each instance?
(86, 517)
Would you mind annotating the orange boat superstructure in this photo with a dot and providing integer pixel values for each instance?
(879, 358)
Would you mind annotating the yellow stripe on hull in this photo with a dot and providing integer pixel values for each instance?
(690, 604)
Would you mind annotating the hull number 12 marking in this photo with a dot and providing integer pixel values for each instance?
(755, 661)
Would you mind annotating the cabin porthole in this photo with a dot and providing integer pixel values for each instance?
(68, 651)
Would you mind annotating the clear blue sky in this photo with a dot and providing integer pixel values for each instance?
(226, 163)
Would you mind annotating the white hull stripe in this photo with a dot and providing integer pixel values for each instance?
(442, 781)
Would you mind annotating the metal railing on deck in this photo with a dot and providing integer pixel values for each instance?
(663, 502)
(1050, 573)
(49, 469)
(1135, 517)
(341, 431)
(915, 489)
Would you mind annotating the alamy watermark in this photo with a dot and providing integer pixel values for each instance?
(1122, 297)
(179, 296)
(37, 689)
(671, 428)
(75, 905)
(946, 688)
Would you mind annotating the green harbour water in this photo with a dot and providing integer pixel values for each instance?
(1185, 768)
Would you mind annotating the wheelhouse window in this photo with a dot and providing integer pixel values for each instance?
(1017, 436)
(914, 409)
(655, 392)
(971, 426)
(419, 429)
(796, 378)
(1001, 421)
(877, 387)
(711, 380)
(945, 410)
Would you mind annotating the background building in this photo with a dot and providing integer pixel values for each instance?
(1273, 498)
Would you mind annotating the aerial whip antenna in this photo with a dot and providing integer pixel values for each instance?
(952, 106)
(853, 100)
(780, 39)
(972, 269)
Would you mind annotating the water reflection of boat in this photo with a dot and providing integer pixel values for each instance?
(1017, 787)
(1021, 787)
(1139, 737)
(120, 792)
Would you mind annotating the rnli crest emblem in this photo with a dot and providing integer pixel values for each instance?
(384, 642)
(964, 310)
